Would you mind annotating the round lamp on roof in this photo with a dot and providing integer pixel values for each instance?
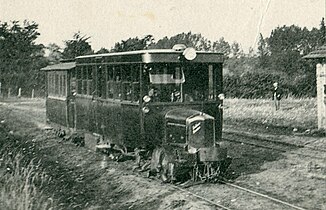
(189, 53)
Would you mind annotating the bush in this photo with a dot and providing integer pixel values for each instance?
(260, 85)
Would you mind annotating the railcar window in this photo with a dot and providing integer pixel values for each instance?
(60, 86)
(84, 76)
(201, 82)
(89, 73)
(210, 82)
(122, 82)
(64, 85)
(100, 81)
(56, 92)
(166, 82)
(73, 73)
(57, 84)
(109, 83)
(183, 83)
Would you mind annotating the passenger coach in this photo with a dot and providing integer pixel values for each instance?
(164, 100)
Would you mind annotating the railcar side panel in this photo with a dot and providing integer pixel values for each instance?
(82, 113)
(56, 111)
(131, 126)
(109, 121)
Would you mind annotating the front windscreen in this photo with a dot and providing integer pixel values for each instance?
(168, 82)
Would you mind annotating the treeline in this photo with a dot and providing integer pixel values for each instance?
(247, 75)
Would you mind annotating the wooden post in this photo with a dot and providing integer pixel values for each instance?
(321, 94)
(32, 93)
(19, 93)
(9, 92)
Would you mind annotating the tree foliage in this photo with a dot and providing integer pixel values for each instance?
(77, 46)
(102, 51)
(20, 56)
(221, 46)
(195, 40)
(277, 58)
(133, 44)
(55, 54)
(189, 39)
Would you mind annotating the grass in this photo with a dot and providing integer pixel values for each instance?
(294, 113)
(21, 184)
(22, 178)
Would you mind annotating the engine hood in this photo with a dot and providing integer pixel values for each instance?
(198, 127)
(186, 116)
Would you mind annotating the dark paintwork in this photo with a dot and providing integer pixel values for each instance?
(122, 122)
(56, 111)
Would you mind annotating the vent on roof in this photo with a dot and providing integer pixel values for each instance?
(179, 47)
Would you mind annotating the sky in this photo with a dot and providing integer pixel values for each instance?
(110, 21)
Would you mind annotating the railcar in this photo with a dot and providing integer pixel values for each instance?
(166, 101)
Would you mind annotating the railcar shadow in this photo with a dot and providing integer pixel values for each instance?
(248, 159)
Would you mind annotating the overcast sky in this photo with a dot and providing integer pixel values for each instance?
(110, 21)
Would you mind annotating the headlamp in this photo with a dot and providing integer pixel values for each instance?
(221, 96)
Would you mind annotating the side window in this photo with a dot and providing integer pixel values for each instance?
(89, 81)
(64, 85)
(84, 80)
(79, 79)
(57, 84)
(109, 81)
(210, 82)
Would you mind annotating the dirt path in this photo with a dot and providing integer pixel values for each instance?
(81, 179)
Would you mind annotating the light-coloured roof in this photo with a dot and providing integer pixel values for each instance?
(319, 53)
(137, 52)
(60, 66)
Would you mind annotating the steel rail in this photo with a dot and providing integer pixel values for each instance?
(256, 137)
(263, 195)
(273, 148)
(200, 197)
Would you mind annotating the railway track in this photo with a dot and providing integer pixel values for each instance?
(211, 199)
(219, 206)
(311, 152)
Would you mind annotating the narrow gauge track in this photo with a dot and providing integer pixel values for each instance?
(262, 139)
(277, 146)
(237, 187)
(219, 206)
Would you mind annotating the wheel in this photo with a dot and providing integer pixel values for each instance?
(162, 164)
(167, 172)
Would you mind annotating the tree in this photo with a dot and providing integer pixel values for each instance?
(20, 56)
(77, 46)
(189, 39)
(102, 51)
(236, 50)
(133, 44)
(221, 46)
(55, 54)
(322, 31)
(263, 52)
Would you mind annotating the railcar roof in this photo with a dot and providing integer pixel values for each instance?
(140, 52)
(318, 53)
(150, 56)
(60, 66)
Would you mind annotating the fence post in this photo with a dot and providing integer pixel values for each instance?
(9, 92)
(32, 93)
(19, 92)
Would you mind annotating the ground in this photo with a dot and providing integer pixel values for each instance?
(80, 178)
